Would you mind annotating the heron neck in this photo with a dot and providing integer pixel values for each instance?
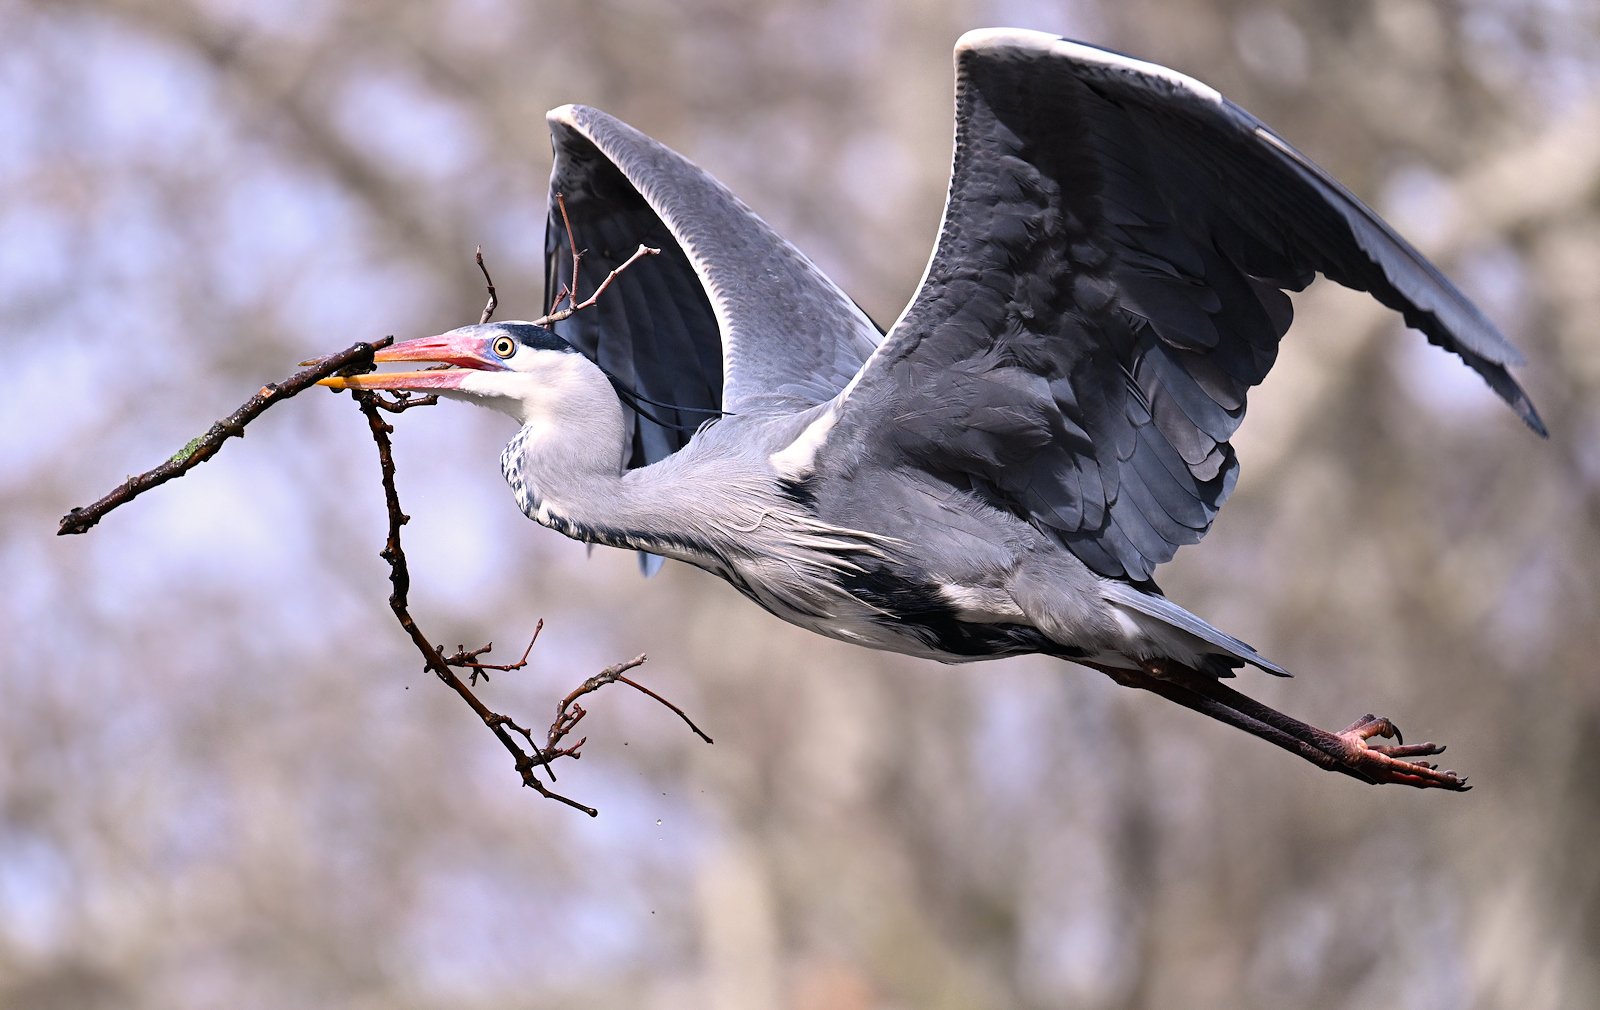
(566, 468)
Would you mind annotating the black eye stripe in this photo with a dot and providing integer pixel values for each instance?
(537, 337)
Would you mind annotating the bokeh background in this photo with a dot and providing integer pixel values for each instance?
(225, 781)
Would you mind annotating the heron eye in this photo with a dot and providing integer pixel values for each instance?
(505, 347)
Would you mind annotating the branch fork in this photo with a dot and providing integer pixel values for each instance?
(570, 292)
(355, 360)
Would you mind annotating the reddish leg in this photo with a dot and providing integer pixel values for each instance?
(1347, 752)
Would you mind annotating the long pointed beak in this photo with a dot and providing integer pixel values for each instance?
(442, 378)
(466, 351)
(458, 347)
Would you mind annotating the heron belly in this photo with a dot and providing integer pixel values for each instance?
(875, 605)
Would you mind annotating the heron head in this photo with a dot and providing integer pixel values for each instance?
(511, 367)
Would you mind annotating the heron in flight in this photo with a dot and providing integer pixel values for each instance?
(1045, 423)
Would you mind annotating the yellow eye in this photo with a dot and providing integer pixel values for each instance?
(504, 347)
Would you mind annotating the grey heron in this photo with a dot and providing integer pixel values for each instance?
(1046, 422)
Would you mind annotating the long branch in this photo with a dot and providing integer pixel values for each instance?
(359, 358)
(81, 520)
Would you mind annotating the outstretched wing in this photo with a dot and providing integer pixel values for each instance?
(728, 316)
(1105, 289)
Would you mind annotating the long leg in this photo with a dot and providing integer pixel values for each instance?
(1347, 752)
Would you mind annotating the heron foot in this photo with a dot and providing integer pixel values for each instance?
(1348, 752)
(1383, 763)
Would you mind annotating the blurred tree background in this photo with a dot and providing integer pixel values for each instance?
(225, 781)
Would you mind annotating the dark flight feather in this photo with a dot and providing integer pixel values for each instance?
(1124, 235)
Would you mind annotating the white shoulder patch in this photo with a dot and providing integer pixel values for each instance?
(795, 460)
(1019, 38)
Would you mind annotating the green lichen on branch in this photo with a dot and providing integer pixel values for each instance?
(188, 449)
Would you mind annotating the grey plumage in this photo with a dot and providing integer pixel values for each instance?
(1046, 422)
(730, 315)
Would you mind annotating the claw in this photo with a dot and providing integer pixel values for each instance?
(1381, 763)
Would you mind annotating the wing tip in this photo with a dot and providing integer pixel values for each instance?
(1261, 663)
(1514, 395)
(1531, 417)
(1495, 374)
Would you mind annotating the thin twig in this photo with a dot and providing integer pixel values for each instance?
(569, 291)
(81, 520)
(568, 713)
(468, 660)
(400, 579)
(697, 730)
(494, 299)
(556, 317)
(404, 400)
(577, 254)
(565, 720)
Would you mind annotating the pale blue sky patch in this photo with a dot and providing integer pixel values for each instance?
(304, 19)
(145, 96)
(1420, 204)
(1440, 382)
(481, 930)
(1074, 19)
(406, 127)
(1075, 950)
(1008, 753)
(35, 250)
(1494, 277)
(35, 890)
(23, 73)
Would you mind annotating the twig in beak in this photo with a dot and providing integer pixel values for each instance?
(357, 357)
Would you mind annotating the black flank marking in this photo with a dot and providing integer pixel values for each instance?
(1144, 585)
(1068, 652)
(802, 492)
(921, 611)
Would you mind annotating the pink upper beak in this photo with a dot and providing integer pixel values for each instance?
(465, 350)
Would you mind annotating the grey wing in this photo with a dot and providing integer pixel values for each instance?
(654, 330)
(1106, 288)
(729, 316)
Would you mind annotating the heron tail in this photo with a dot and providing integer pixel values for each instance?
(1169, 613)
